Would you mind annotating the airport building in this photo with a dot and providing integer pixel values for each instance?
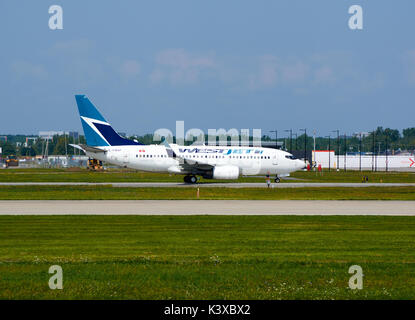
(365, 161)
(48, 135)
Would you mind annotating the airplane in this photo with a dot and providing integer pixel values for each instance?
(211, 162)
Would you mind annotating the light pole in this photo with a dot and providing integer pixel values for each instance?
(377, 156)
(386, 151)
(373, 150)
(291, 139)
(360, 152)
(296, 147)
(338, 148)
(66, 146)
(305, 145)
(314, 148)
(345, 151)
(329, 152)
(276, 137)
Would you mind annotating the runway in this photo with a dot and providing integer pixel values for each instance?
(206, 207)
(210, 185)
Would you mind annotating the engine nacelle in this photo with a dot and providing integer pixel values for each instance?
(225, 172)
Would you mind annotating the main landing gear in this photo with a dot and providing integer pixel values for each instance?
(277, 180)
(190, 179)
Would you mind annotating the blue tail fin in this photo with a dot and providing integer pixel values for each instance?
(98, 132)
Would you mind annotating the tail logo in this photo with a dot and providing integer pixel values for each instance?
(98, 132)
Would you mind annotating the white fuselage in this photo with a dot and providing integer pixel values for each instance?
(155, 158)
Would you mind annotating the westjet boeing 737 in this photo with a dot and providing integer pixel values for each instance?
(210, 162)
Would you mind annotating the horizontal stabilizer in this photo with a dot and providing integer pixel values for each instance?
(85, 147)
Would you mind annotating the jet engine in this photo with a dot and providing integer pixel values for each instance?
(225, 172)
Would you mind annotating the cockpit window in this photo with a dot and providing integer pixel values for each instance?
(290, 157)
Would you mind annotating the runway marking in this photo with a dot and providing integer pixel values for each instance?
(206, 207)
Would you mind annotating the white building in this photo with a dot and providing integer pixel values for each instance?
(49, 134)
(405, 162)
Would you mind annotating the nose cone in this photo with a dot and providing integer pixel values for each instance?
(300, 164)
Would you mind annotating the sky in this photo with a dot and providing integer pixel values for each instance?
(213, 64)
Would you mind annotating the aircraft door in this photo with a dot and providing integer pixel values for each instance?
(275, 160)
(125, 159)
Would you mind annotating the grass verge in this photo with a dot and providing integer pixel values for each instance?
(126, 175)
(103, 192)
(206, 257)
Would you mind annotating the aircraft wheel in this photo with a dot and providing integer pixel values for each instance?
(186, 179)
(193, 179)
(277, 180)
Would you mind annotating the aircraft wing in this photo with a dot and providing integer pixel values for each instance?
(187, 165)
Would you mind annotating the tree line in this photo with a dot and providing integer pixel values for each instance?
(378, 141)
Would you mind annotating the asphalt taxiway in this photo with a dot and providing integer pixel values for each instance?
(206, 207)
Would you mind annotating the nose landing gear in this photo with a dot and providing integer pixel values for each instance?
(277, 180)
(190, 179)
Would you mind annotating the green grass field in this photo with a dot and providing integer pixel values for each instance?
(123, 175)
(107, 192)
(206, 257)
(83, 175)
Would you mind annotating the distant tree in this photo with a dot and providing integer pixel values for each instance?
(146, 139)
(59, 147)
(27, 151)
(8, 149)
(265, 138)
(392, 134)
(409, 133)
(38, 146)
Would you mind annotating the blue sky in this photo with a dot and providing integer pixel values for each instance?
(214, 64)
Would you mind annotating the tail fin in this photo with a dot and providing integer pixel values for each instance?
(98, 132)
